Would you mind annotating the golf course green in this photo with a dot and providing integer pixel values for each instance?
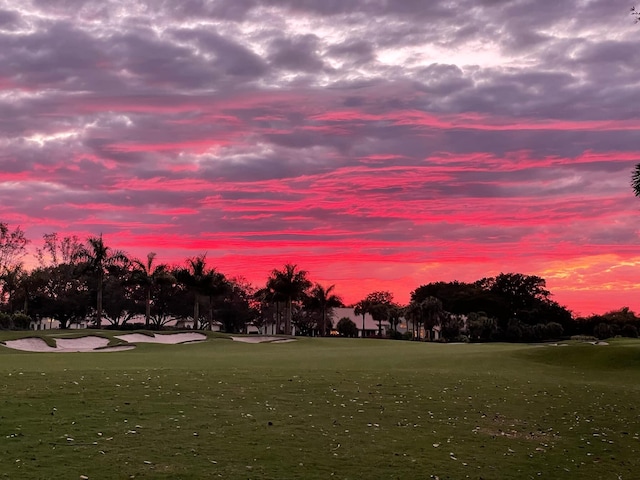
(321, 408)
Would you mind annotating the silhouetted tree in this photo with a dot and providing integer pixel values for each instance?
(291, 284)
(148, 275)
(98, 259)
(197, 278)
(11, 280)
(378, 305)
(362, 308)
(323, 300)
(13, 246)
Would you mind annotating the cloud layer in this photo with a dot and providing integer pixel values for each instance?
(377, 144)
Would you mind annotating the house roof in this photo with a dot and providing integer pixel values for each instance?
(369, 322)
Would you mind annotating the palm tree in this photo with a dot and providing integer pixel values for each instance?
(427, 313)
(635, 180)
(98, 259)
(291, 284)
(217, 286)
(267, 298)
(203, 282)
(147, 275)
(413, 312)
(362, 308)
(378, 304)
(323, 299)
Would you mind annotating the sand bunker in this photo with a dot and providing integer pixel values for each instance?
(169, 338)
(254, 339)
(81, 344)
(93, 343)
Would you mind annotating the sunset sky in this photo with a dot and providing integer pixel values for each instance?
(378, 144)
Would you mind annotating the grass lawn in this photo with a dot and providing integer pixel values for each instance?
(322, 408)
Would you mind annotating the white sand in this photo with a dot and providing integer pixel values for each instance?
(255, 339)
(29, 345)
(80, 344)
(92, 343)
(169, 338)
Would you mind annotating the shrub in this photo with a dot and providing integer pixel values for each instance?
(630, 331)
(21, 321)
(602, 331)
(583, 338)
(5, 321)
(553, 330)
(347, 328)
(394, 335)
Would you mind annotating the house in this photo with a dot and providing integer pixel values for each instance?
(49, 324)
(370, 327)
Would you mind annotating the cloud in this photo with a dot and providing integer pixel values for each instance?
(378, 144)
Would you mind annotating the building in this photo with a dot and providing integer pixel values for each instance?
(370, 328)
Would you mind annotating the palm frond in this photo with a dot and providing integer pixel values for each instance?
(635, 180)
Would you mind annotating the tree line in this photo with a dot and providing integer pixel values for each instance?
(76, 280)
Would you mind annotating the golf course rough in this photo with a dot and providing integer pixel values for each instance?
(322, 408)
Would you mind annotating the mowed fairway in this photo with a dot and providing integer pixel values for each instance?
(322, 408)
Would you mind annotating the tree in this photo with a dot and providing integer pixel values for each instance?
(197, 278)
(13, 246)
(362, 308)
(323, 300)
(413, 314)
(395, 314)
(236, 308)
(428, 313)
(173, 299)
(56, 251)
(378, 304)
(291, 284)
(636, 14)
(59, 292)
(121, 298)
(148, 276)
(347, 328)
(98, 259)
(216, 290)
(13, 278)
(432, 314)
(481, 327)
(269, 306)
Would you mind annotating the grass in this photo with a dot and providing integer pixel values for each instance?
(322, 408)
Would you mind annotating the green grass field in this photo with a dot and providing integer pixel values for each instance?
(322, 408)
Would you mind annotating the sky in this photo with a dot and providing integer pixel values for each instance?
(377, 144)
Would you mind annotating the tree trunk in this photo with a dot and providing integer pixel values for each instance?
(147, 313)
(323, 330)
(196, 312)
(99, 303)
(210, 313)
(287, 323)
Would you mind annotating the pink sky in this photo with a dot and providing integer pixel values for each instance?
(378, 145)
